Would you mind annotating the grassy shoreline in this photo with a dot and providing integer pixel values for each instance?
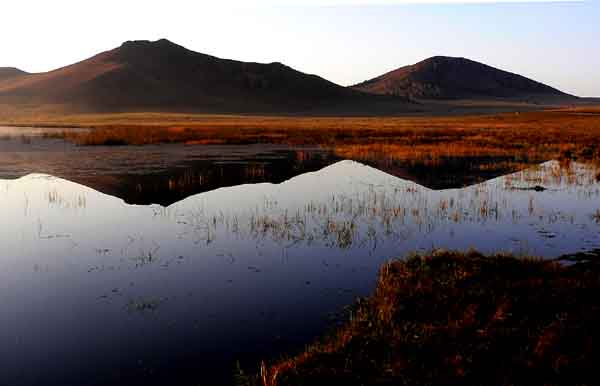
(452, 318)
(492, 144)
(531, 137)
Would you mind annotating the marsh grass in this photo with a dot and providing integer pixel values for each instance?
(543, 135)
(376, 215)
(362, 219)
(448, 150)
(450, 318)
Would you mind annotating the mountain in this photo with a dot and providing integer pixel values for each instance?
(144, 75)
(163, 76)
(443, 77)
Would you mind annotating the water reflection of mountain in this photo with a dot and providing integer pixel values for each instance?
(178, 182)
(161, 174)
(341, 205)
(245, 272)
(165, 174)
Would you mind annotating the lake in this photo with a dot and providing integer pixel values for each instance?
(171, 264)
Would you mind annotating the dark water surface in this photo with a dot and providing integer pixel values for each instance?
(253, 252)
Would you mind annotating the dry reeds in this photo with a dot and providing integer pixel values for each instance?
(453, 318)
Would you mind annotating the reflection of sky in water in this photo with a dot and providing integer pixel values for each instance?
(102, 287)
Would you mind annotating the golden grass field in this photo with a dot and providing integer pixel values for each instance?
(536, 136)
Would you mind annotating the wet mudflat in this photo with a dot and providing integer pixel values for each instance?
(252, 254)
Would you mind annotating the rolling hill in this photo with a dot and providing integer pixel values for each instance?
(443, 77)
(161, 75)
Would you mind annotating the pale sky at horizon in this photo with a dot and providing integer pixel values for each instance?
(345, 41)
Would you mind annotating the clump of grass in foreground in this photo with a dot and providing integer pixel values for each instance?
(455, 319)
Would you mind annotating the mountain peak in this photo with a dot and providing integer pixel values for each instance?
(437, 58)
(147, 53)
(161, 43)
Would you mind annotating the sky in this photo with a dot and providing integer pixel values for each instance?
(345, 41)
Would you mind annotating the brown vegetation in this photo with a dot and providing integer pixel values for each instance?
(533, 136)
(451, 319)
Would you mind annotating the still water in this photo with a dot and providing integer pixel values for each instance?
(99, 289)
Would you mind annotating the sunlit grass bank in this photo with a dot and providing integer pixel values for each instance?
(143, 128)
(460, 319)
(486, 145)
(531, 136)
